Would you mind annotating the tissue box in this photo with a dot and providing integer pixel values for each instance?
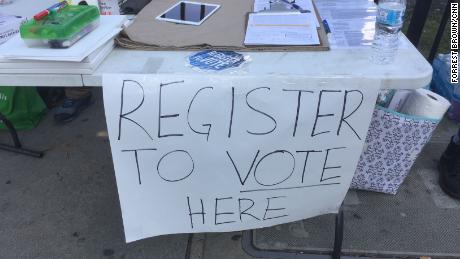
(393, 142)
(9, 26)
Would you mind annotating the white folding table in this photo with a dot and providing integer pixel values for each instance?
(409, 71)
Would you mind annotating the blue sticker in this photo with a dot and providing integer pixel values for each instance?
(216, 60)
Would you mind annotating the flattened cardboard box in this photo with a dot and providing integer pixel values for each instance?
(224, 30)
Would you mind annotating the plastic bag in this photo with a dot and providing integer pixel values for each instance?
(23, 106)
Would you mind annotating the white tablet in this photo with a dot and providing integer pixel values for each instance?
(186, 12)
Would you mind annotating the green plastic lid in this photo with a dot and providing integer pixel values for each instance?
(60, 25)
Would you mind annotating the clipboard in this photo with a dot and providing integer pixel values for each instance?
(225, 30)
(321, 31)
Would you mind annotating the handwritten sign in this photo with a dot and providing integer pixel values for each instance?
(226, 153)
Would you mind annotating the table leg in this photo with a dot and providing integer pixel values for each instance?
(16, 147)
(249, 248)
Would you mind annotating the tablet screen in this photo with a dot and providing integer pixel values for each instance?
(190, 12)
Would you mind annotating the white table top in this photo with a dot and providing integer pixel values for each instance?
(410, 69)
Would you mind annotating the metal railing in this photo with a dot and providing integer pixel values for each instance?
(417, 23)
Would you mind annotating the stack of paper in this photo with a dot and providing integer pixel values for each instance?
(87, 66)
(281, 29)
(81, 58)
(352, 23)
(282, 22)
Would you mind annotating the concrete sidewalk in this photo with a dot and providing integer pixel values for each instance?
(66, 204)
(420, 220)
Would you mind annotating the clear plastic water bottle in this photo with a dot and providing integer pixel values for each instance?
(390, 18)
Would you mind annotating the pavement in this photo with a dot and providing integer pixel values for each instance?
(66, 205)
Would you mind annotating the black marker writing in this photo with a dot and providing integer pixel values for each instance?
(222, 213)
(307, 153)
(283, 152)
(273, 209)
(242, 181)
(188, 115)
(261, 112)
(190, 213)
(170, 154)
(137, 160)
(161, 116)
(245, 211)
(344, 118)
(299, 98)
(318, 115)
(125, 115)
(231, 113)
(326, 167)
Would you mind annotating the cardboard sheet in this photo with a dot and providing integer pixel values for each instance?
(224, 30)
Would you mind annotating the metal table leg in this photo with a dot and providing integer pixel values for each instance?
(338, 234)
(249, 248)
(16, 147)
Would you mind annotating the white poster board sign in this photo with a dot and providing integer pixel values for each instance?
(227, 153)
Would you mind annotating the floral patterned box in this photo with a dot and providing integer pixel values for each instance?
(393, 142)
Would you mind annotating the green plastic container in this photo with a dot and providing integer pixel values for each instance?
(61, 29)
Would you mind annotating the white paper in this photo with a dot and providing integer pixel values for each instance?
(87, 66)
(281, 29)
(266, 5)
(108, 28)
(340, 4)
(261, 5)
(9, 26)
(352, 23)
(235, 147)
(352, 33)
(109, 7)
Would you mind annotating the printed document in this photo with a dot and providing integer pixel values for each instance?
(281, 29)
(273, 5)
(352, 23)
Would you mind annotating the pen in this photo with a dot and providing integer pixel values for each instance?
(326, 27)
(46, 12)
